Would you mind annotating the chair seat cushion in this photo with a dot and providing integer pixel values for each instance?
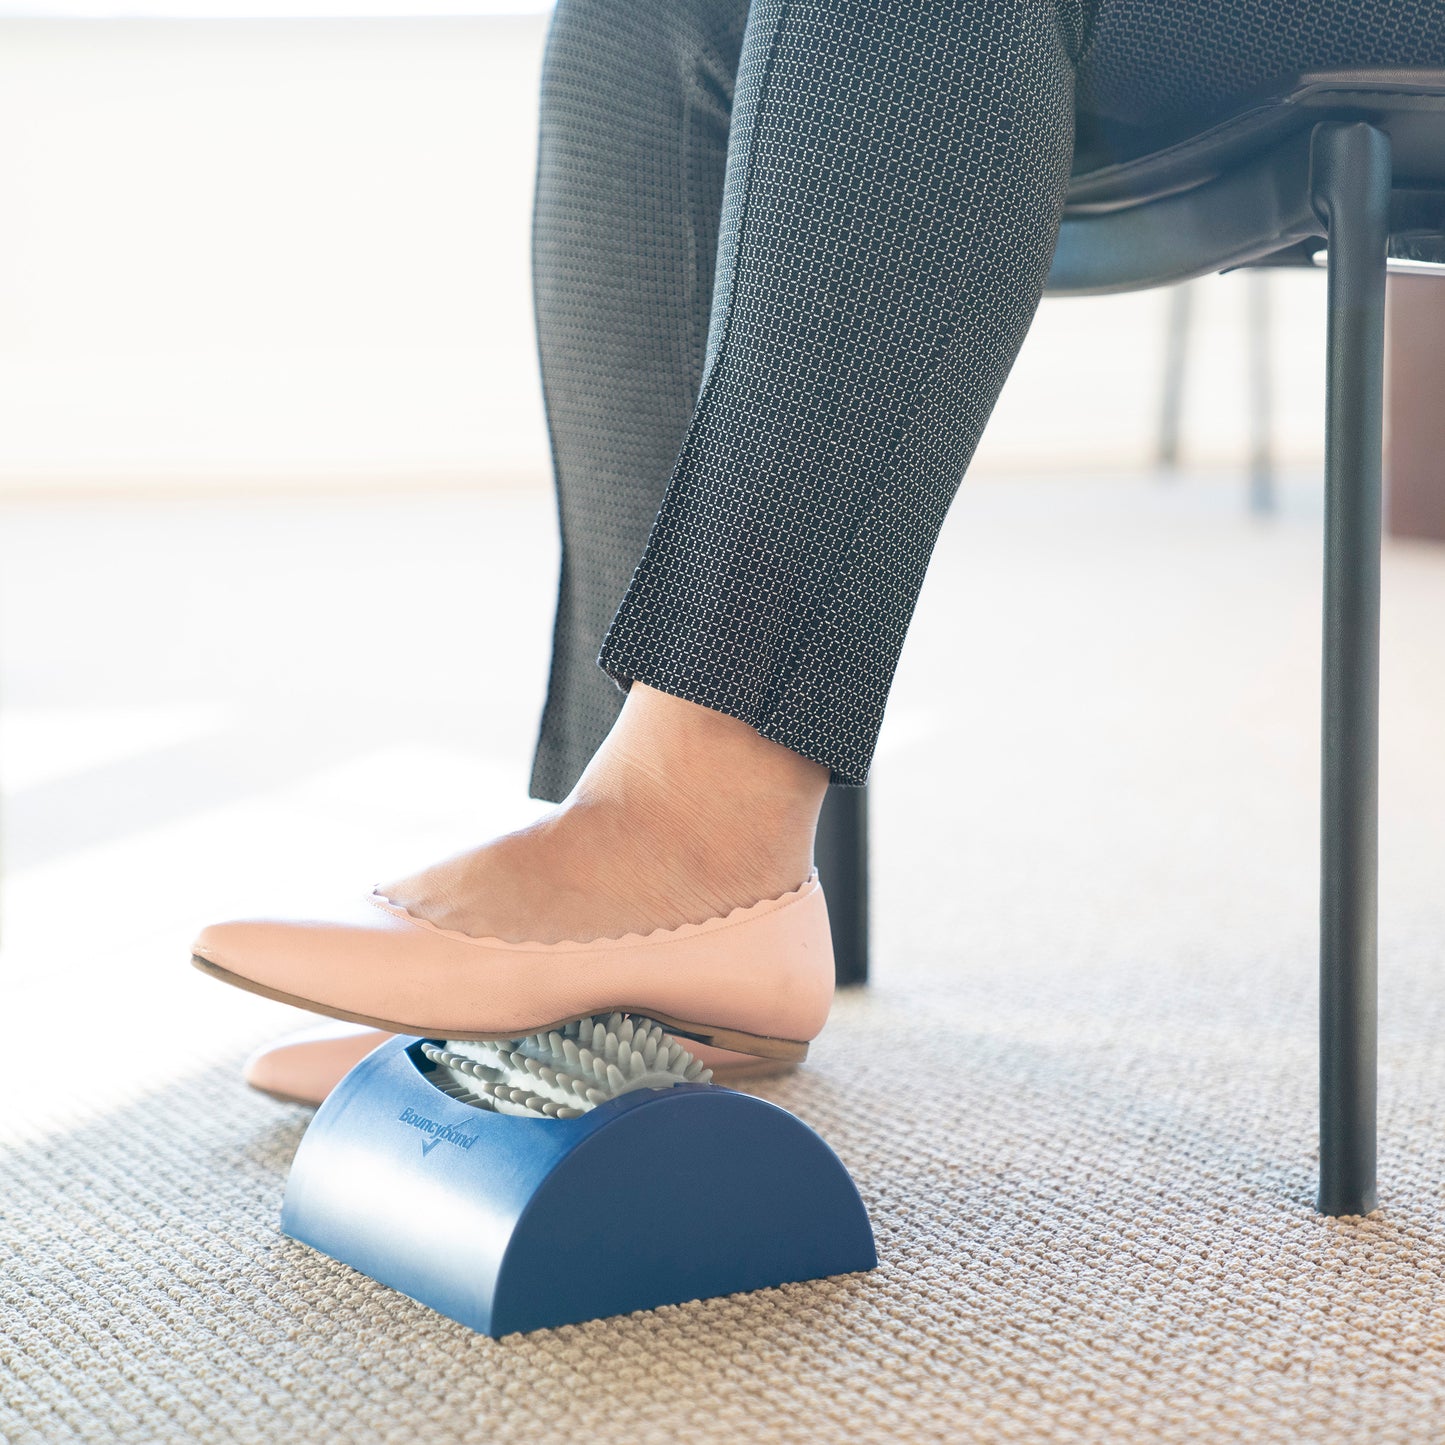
(1119, 165)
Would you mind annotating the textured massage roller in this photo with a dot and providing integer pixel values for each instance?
(567, 1176)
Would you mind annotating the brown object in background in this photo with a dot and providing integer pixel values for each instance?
(1415, 407)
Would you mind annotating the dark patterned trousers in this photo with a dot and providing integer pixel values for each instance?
(784, 256)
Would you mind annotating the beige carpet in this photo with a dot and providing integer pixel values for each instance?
(1077, 1099)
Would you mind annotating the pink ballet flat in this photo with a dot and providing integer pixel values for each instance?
(305, 1066)
(756, 981)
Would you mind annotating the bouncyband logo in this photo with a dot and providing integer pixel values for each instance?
(440, 1133)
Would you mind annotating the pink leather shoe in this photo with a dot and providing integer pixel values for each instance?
(304, 1066)
(758, 980)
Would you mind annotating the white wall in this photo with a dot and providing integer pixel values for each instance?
(275, 249)
(296, 251)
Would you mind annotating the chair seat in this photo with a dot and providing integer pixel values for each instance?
(1148, 208)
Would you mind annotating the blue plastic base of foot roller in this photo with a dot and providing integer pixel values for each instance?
(509, 1224)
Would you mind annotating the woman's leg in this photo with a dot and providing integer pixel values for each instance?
(636, 102)
(894, 178)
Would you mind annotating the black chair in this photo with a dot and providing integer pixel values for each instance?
(1348, 165)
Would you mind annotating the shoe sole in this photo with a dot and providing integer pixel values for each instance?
(723, 1074)
(761, 1046)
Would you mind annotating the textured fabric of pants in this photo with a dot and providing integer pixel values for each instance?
(784, 256)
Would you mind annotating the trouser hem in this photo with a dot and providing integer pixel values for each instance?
(625, 668)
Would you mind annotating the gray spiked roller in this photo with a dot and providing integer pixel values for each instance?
(564, 1073)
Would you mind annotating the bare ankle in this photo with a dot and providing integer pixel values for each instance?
(683, 814)
(710, 784)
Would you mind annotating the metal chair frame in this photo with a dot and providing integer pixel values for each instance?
(1351, 164)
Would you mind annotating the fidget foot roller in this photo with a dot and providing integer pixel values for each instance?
(565, 1177)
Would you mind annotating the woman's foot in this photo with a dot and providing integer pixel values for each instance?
(683, 815)
(675, 882)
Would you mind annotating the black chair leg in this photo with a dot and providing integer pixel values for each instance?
(1262, 500)
(842, 857)
(1350, 179)
(1176, 356)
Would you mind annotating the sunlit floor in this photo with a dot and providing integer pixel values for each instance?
(1077, 1097)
